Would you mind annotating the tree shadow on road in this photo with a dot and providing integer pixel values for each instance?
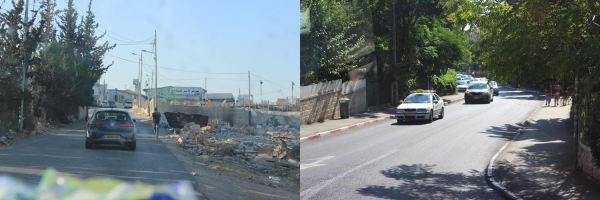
(418, 181)
(541, 167)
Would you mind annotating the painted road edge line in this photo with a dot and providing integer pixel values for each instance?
(490, 168)
(339, 130)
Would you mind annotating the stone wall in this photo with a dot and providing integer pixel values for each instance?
(326, 106)
(237, 117)
(586, 163)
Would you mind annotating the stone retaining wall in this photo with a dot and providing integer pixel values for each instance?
(586, 163)
(326, 106)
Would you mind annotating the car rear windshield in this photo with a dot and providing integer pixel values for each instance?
(112, 116)
(462, 82)
(493, 83)
(478, 86)
(417, 98)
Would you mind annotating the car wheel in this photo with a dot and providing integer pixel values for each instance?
(133, 145)
(489, 100)
(430, 117)
(441, 116)
(466, 101)
(88, 145)
(399, 121)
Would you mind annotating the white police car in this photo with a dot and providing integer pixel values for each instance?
(420, 105)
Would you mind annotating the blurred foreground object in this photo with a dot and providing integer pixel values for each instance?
(56, 186)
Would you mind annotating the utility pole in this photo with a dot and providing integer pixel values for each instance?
(139, 85)
(24, 68)
(395, 85)
(261, 98)
(104, 91)
(155, 69)
(249, 108)
(205, 90)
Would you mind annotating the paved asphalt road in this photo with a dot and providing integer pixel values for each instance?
(151, 162)
(444, 159)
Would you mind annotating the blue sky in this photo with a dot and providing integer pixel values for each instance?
(204, 36)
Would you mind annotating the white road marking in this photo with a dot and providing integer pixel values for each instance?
(308, 193)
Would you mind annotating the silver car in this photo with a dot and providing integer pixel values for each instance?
(495, 87)
(111, 126)
(421, 105)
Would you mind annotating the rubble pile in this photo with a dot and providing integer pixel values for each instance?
(271, 147)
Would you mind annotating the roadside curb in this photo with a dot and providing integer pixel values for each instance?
(489, 179)
(338, 130)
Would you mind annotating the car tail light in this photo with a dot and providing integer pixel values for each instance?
(96, 124)
(127, 124)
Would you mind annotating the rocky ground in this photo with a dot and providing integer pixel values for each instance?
(267, 156)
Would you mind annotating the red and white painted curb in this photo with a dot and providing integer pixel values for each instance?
(490, 168)
(338, 130)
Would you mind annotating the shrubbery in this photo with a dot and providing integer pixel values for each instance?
(446, 83)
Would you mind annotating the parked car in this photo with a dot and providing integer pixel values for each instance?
(420, 105)
(479, 91)
(104, 104)
(495, 87)
(96, 103)
(127, 104)
(112, 104)
(462, 85)
(111, 126)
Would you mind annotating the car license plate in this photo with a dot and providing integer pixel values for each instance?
(113, 137)
(410, 114)
(476, 97)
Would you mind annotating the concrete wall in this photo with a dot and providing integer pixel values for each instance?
(234, 116)
(326, 106)
(585, 162)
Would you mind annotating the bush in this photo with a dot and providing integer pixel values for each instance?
(446, 83)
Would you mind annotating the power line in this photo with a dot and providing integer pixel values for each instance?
(130, 40)
(272, 82)
(197, 71)
(134, 44)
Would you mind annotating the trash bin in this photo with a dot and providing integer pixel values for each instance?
(344, 108)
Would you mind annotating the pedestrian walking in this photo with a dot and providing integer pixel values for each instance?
(155, 121)
(548, 95)
(556, 94)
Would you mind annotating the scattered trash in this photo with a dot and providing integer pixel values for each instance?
(11, 132)
(199, 163)
(193, 173)
(275, 178)
(3, 138)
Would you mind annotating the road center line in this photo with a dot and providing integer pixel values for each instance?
(308, 193)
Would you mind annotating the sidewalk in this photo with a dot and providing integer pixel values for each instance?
(327, 127)
(538, 163)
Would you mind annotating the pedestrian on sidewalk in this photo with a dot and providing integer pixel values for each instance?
(548, 94)
(155, 121)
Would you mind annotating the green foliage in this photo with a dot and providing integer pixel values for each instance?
(337, 40)
(538, 41)
(445, 84)
(63, 64)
